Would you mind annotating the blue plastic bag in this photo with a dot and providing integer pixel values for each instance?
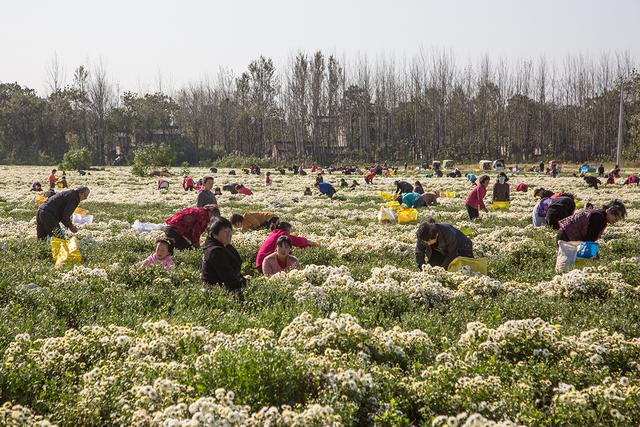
(587, 250)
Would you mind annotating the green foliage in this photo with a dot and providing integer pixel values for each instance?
(76, 159)
(151, 156)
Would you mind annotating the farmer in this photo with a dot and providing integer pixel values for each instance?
(244, 190)
(588, 225)
(343, 183)
(475, 198)
(601, 170)
(59, 209)
(163, 184)
(326, 189)
(430, 199)
(439, 244)
(501, 190)
(522, 187)
(205, 196)
(411, 200)
(403, 187)
(254, 220)
(369, 178)
(187, 183)
(562, 207)
(542, 193)
(221, 262)
(632, 179)
(281, 259)
(269, 245)
(592, 181)
(418, 187)
(52, 179)
(540, 210)
(186, 226)
(472, 179)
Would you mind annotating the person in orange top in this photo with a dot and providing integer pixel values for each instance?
(254, 220)
(52, 179)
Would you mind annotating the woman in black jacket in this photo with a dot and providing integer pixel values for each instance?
(221, 262)
(439, 244)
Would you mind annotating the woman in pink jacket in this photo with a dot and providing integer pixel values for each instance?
(281, 259)
(269, 245)
(475, 198)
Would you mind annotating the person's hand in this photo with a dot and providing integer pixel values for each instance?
(73, 229)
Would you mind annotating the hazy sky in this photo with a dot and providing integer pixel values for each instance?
(186, 40)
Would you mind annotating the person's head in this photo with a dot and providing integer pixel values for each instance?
(214, 210)
(207, 182)
(427, 233)
(484, 180)
(83, 192)
(236, 220)
(418, 184)
(502, 178)
(285, 226)
(164, 248)
(268, 173)
(221, 230)
(615, 211)
(283, 246)
(588, 206)
(217, 191)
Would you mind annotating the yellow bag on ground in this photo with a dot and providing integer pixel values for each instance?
(393, 205)
(448, 194)
(504, 206)
(579, 204)
(476, 264)
(407, 215)
(81, 211)
(386, 196)
(65, 251)
(466, 231)
(386, 216)
(40, 199)
(585, 262)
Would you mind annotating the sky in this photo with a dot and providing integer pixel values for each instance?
(144, 43)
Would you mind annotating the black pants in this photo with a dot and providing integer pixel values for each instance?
(47, 225)
(179, 242)
(473, 212)
(437, 259)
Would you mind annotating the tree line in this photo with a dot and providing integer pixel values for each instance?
(327, 109)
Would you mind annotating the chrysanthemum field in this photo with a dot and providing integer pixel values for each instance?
(357, 336)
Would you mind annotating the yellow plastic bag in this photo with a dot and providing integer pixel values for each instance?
(466, 231)
(448, 194)
(585, 262)
(406, 216)
(65, 251)
(81, 211)
(478, 265)
(579, 204)
(386, 196)
(60, 185)
(386, 216)
(393, 205)
(504, 206)
(40, 199)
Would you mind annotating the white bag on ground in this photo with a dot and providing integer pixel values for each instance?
(387, 215)
(82, 219)
(145, 227)
(567, 253)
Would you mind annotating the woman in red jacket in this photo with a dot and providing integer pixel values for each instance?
(475, 198)
(186, 226)
(269, 245)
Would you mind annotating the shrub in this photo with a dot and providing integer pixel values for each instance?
(76, 159)
(152, 156)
